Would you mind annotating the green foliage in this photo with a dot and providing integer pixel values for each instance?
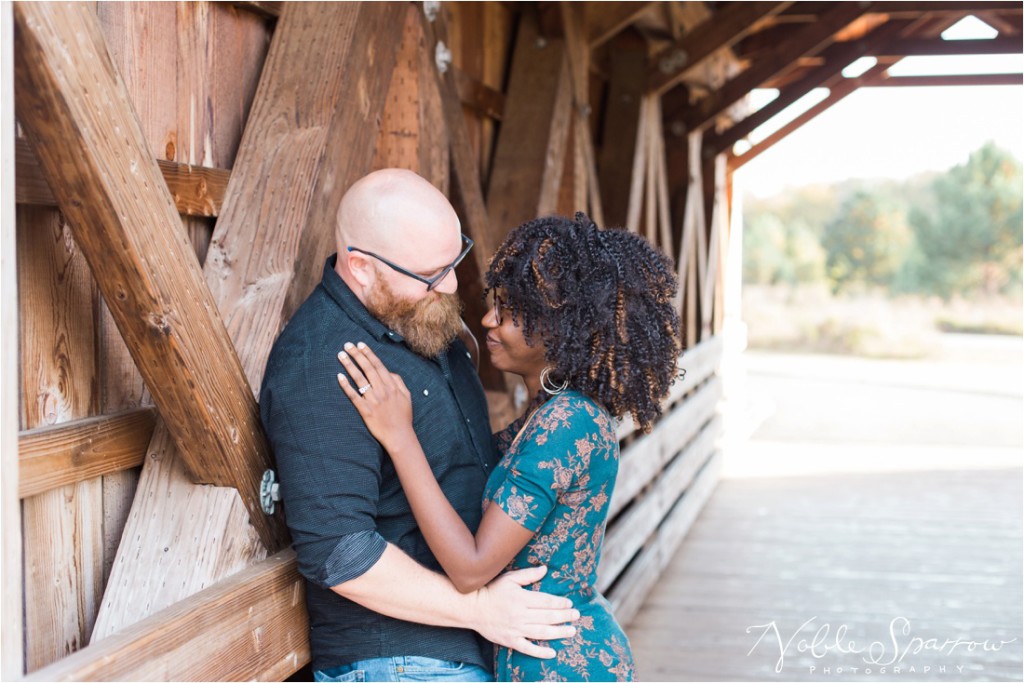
(952, 233)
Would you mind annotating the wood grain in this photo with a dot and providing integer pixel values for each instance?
(313, 133)
(70, 452)
(530, 152)
(63, 531)
(252, 626)
(149, 277)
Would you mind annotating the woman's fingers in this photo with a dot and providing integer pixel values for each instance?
(356, 376)
(347, 387)
(375, 371)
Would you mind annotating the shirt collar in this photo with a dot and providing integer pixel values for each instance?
(346, 298)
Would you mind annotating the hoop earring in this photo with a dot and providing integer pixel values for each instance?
(548, 385)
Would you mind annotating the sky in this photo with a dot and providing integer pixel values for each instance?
(894, 132)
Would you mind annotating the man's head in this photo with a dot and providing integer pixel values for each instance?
(404, 220)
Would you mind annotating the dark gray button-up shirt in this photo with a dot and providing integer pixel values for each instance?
(341, 495)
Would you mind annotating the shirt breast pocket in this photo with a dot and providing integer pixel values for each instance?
(436, 420)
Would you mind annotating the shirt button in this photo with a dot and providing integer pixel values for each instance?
(468, 355)
(426, 392)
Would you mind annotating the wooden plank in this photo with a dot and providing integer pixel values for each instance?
(468, 200)
(531, 145)
(412, 134)
(628, 59)
(604, 20)
(719, 227)
(126, 227)
(66, 453)
(643, 460)
(636, 582)
(637, 177)
(808, 40)
(252, 626)
(723, 29)
(627, 534)
(268, 9)
(196, 190)
(578, 53)
(12, 650)
(262, 253)
(63, 531)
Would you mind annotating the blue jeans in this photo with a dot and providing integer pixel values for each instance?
(404, 669)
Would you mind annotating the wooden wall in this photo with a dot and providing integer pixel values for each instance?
(545, 121)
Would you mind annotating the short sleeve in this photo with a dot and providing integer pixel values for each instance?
(547, 460)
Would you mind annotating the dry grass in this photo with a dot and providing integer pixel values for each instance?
(810, 319)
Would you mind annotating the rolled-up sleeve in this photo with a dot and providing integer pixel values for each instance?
(328, 465)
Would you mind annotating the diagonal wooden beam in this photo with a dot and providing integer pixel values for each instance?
(837, 58)
(311, 133)
(725, 28)
(94, 156)
(604, 20)
(840, 92)
(808, 40)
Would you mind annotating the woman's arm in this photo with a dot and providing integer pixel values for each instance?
(386, 407)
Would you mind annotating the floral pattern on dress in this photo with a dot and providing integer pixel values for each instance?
(555, 478)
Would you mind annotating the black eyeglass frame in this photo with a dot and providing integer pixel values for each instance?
(430, 282)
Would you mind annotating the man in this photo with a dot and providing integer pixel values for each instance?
(379, 607)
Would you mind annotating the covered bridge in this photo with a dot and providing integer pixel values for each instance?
(170, 176)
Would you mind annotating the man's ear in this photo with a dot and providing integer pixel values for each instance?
(361, 269)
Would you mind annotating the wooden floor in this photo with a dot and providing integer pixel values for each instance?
(839, 561)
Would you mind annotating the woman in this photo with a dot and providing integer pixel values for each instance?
(586, 318)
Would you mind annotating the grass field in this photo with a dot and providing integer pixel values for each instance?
(812, 320)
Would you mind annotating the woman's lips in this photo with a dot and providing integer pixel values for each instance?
(492, 342)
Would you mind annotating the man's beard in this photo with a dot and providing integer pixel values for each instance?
(428, 325)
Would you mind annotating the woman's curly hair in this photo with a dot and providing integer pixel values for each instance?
(601, 302)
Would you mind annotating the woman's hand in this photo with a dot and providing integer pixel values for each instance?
(380, 396)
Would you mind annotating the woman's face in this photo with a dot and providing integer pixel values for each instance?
(508, 347)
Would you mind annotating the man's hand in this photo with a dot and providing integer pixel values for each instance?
(507, 614)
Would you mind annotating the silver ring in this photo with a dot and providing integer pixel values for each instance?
(363, 390)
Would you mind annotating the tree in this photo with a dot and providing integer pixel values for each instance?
(970, 236)
(866, 241)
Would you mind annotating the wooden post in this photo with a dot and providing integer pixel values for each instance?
(628, 57)
(326, 76)
(12, 658)
(531, 145)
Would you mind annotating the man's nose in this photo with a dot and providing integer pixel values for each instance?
(449, 284)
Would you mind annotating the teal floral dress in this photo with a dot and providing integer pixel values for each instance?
(556, 477)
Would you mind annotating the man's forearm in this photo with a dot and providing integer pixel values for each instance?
(399, 587)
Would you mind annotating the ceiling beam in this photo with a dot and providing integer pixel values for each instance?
(836, 94)
(808, 40)
(837, 57)
(603, 20)
(947, 80)
(721, 30)
(928, 47)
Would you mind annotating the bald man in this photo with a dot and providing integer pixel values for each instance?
(380, 607)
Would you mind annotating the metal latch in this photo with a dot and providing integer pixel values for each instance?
(270, 491)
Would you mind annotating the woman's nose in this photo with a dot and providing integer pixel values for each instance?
(489, 320)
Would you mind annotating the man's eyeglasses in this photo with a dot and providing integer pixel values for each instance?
(430, 282)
